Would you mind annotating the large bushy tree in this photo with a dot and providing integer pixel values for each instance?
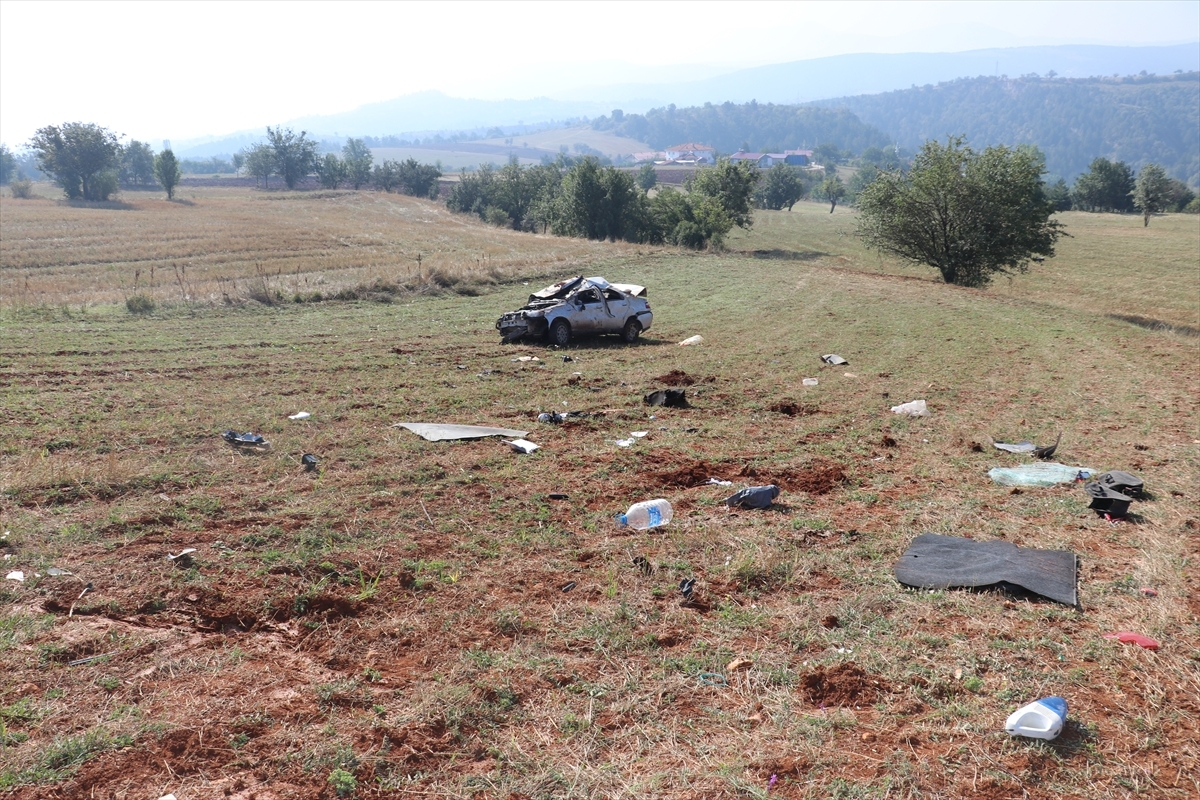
(8, 165)
(969, 215)
(358, 159)
(1106, 186)
(732, 186)
(331, 170)
(781, 187)
(83, 158)
(137, 164)
(295, 156)
(260, 162)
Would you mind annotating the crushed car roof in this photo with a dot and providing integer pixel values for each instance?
(562, 288)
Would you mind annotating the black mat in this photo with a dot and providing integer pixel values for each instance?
(942, 562)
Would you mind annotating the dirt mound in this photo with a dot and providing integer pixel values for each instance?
(820, 477)
(844, 685)
(794, 409)
(695, 473)
(676, 377)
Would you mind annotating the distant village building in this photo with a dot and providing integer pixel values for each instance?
(691, 153)
(797, 158)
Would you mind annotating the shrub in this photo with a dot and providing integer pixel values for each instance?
(343, 782)
(1193, 207)
(494, 215)
(140, 304)
(22, 189)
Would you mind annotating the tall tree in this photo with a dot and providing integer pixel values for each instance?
(79, 156)
(1152, 192)
(295, 156)
(166, 169)
(331, 170)
(1106, 186)
(647, 177)
(832, 189)
(969, 215)
(260, 162)
(732, 185)
(8, 165)
(137, 164)
(357, 158)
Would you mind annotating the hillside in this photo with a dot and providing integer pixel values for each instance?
(759, 127)
(1137, 119)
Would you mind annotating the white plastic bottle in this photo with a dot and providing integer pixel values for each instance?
(1042, 719)
(647, 514)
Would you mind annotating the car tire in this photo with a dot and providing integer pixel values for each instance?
(560, 333)
(632, 330)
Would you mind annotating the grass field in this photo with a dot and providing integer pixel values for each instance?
(395, 625)
(555, 138)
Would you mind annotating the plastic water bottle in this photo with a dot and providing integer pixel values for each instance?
(647, 514)
(1042, 719)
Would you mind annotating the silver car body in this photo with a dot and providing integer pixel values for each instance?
(589, 306)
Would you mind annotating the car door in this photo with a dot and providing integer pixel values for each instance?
(618, 311)
(588, 311)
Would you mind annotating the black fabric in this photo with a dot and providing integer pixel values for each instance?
(671, 398)
(754, 497)
(1106, 500)
(943, 562)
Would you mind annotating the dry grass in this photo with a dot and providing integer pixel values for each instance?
(399, 616)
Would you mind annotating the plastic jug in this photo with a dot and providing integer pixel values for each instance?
(647, 514)
(1042, 719)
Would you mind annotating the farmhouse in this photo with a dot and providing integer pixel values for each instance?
(690, 152)
(797, 158)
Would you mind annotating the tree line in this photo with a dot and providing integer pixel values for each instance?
(594, 201)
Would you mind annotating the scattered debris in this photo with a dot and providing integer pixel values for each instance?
(80, 661)
(1047, 451)
(522, 445)
(309, 461)
(643, 563)
(686, 587)
(626, 442)
(567, 359)
(1148, 592)
(1123, 482)
(184, 557)
(556, 496)
(16, 575)
(526, 358)
(246, 441)
(943, 562)
(1041, 719)
(712, 679)
(834, 359)
(568, 586)
(1133, 638)
(916, 408)
(754, 497)
(849, 375)
(86, 589)
(718, 482)
(647, 514)
(300, 415)
(639, 434)
(56, 572)
(436, 432)
(810, 382)
(1043, 474)
(669, 398)
(1025, 446)
(739, 665)
(697, 339)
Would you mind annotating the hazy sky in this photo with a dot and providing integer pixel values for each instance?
(180, 70)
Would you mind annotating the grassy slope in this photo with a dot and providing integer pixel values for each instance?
(463, 670)
(554, 138)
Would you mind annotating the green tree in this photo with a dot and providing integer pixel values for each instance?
(238, 160)
(600, 203)
(386, 175)
(1059, 194)
(1106, 186)
(417, 179)
(166, 169)
(1152, 192)
(260, 162)
(330, 171)
(8, 165)
(295, 156)
(137, 164)
(647, 177)
(831, 189)
(969, 215)
(358, 159)
(781, 187)
(732, 185)
(80, 157)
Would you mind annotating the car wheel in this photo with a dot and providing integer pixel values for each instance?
(632, 330)
(560, 333)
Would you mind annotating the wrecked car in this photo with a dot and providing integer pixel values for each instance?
(579, 307)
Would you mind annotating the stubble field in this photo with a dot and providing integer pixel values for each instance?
(395, 625)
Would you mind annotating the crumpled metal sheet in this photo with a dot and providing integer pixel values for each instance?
(438, 432)
(943, 562)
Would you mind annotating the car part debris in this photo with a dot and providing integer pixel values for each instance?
(16, 575)
(557, 496)
(626, 442)
(1047, 451)
(943, 562)
(1025, 446)
(1133, 638)
(739, 665)
(834, 359)
(754, 497)
(309, 461)
(300, 415)
(686, 587)
(1123, 482)
(916, 408)
(436, 432)
(1041, 474)
(579, 306)
(668, 398)
(643, 563)
(810, 382)
(183, 558)
(568, 586)
(80, 661)
(718, 482)
(246, 441)
(1042, 719)
(1107, 501)
(697, 339)
(56, 572)
(522, 445)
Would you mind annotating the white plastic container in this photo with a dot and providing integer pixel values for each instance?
(916, 408)
(1042, 719)
(647, 514)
